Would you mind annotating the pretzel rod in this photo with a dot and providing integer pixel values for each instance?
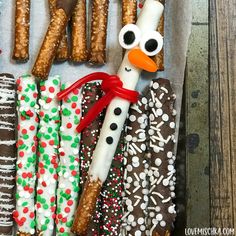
(7, 152)
(63, 50)
(115, 115)
(129, 12)
(91, 93)
(159, 58)
(68, 170)
(97, 53)
(22, 28)
(79, 36)
(52, 38)
(24, 214)
(48, 156)
(162, 180)
(135, 174)
(87, 205)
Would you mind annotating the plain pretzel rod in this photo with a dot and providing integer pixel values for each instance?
(114, 120)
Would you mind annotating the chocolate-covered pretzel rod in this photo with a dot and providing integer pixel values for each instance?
(112, 194)
(7, 152)
(48, 156)
(129, 72)
(97, 53)
(24, 214)
(135, 175)
(79, 36)
(56, 29)
(91, 93)
(68, 170)
(22, 28)
(129, 12)
(162, 129)
(63, 50)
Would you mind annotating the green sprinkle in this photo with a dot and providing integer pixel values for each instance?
(55, 81)
(32, 224)
(45, 206)
(74, 98)
(66, 112)
(44, 227)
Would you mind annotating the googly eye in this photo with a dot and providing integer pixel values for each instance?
(151, 43)
(129, 36)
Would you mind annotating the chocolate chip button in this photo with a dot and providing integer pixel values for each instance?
(113, 126)
(109, 140)
(117, 111)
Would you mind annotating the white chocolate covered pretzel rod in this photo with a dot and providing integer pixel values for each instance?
(134, 61)
(48, 156)
(7, 152)
(161, 210)
(68, 170)
(24, 214)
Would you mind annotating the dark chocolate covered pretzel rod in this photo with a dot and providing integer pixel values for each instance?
(135, 174)
(161, 210)
(91, 93)
(7, 152)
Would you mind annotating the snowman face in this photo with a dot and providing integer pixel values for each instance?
(140, 47)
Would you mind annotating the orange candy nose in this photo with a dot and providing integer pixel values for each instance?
(141, 60)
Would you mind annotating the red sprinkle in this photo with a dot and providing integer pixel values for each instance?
(68, 191)
(25, 210)
(69, 125)
(21, 153)
(32, 128)
(40, 191)
(77, 111)
(70, 203)
(31, 215)
(67, 209)
(51, 89)
(73, 105)
(43, 88)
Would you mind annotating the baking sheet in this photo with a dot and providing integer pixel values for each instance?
(177, 30)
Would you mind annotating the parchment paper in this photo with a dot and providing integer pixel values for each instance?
(177, 30)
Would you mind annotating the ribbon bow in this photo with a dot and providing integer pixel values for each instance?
(111, 85)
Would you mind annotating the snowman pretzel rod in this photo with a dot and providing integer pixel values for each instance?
(141, 41)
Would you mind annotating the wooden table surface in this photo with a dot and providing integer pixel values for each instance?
(210, 116)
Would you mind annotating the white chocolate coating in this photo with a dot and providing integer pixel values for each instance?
(129, 75)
